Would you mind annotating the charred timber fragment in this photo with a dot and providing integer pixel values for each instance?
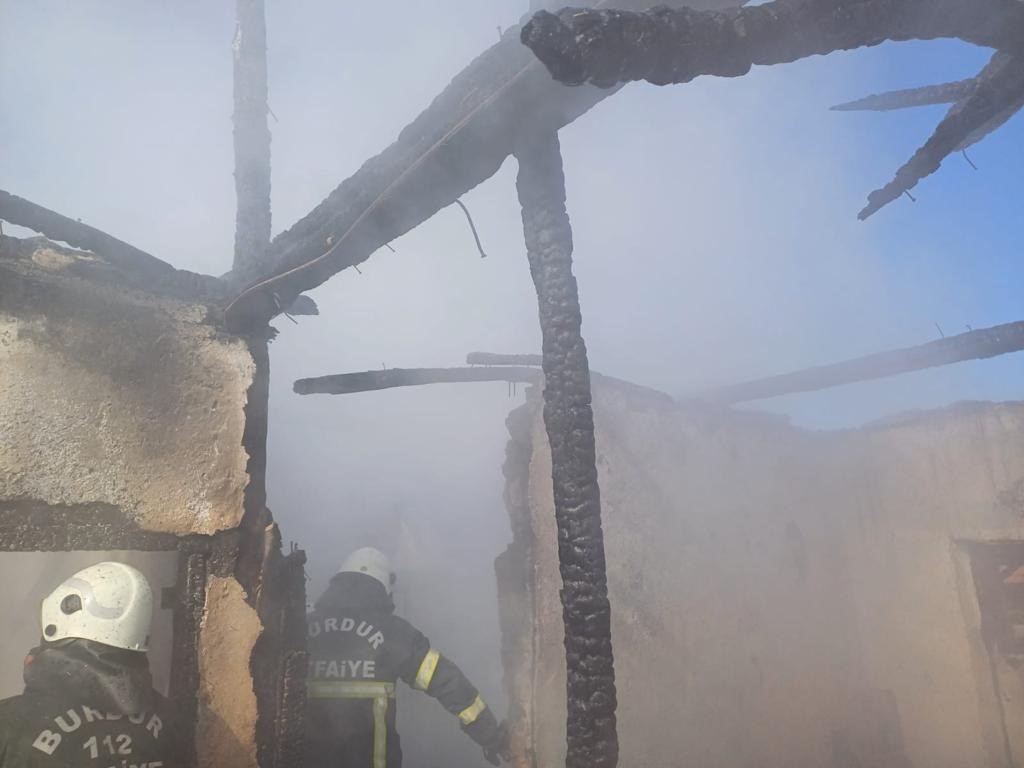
(592, 741)
(24, 213)
(995, 99)
(927, 95)
(675, 45)
(252, 135)
(369, 381)
(974, 345)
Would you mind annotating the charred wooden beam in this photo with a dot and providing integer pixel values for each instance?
(998, 62)
(495, 358)
(251, 135)
(675, 45)
(592, 740)
(958, 93)
(927, 95)
(457, 142)
(665, 45)
(24, 213)
(973, 345)
(389, 378)
(995, 99)
(369, 381)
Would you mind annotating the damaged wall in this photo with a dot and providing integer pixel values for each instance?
(131, 418)
(116, 395)
(780, 597)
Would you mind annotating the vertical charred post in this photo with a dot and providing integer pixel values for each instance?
(252, 137)
(591, 736)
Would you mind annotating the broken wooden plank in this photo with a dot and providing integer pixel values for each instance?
(973, 345)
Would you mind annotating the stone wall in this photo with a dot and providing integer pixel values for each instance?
(781, 598)
(129, 419)
(118, 396)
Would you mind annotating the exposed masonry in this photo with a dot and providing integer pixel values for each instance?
(66, 312)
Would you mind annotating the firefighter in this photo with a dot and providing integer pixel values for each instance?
(358, 649)
(89, 698)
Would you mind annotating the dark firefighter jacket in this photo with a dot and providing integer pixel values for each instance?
(358, 649)
(59, 722)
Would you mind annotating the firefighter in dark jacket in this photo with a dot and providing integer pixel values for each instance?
(89, 698)
(358, 649)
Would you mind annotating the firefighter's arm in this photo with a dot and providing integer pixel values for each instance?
(427, 670)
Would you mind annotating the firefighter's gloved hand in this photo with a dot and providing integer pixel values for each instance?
(497, 748)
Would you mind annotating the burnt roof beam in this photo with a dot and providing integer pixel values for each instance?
(676, 45)
(909, 98)
(996, 97)
(973, 345)
(666, 45)
(389, 378)
(460, 140)
(56, 226)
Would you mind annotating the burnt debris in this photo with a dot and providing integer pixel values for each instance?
(592, 741)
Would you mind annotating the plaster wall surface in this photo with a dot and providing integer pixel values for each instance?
(125, 399)
(226, 736)
(781, 597)
(117, 396)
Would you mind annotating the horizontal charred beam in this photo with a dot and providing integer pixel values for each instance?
(973, 345)
(369, 381)
(675, 45)
(495, 358)
(389, 378)
(460, 140)
(24, 213)
(924, 96)
(56, 226)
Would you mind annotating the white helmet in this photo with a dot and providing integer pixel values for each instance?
(110, 603)
(373, 563)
